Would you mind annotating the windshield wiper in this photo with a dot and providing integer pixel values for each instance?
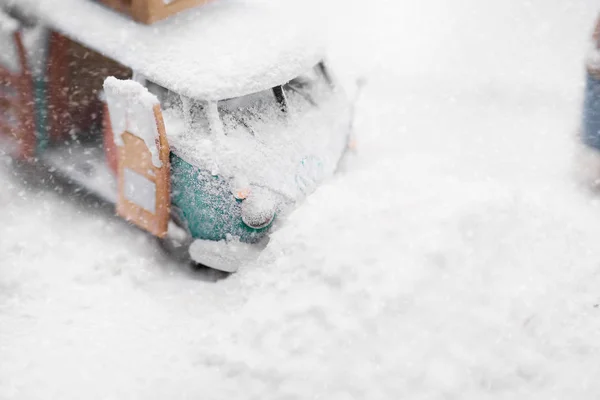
(241, 121)
(280, 97)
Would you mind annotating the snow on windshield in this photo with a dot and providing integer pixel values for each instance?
(287, 151)
(310, 88)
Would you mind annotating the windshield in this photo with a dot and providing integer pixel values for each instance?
(249, 112)
(312, 87)
(242, 111)
(307, 90)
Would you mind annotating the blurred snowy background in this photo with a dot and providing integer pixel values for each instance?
(455, 257)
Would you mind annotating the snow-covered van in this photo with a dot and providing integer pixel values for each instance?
(201, 128)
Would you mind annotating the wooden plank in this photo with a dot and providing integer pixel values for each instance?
(163, 177)
(136, 156)
(158, 10)
(150, 11)
(108, 140)
(122, 6)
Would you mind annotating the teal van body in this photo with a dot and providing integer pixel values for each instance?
(207, 206)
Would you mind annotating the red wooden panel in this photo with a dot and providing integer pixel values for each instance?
(17, 110)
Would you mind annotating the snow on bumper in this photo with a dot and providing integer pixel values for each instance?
(223, 255)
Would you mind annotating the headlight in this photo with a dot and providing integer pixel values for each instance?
(240, 188)
(258, 210)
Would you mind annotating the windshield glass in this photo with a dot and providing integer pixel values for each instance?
(311, 88)
(307, 90)
(242, 111)
(254, 112)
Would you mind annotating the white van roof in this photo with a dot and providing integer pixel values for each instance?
(225, 49)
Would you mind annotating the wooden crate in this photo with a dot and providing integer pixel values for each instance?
(150, 11)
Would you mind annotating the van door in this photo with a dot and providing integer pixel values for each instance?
(143, 170)
(17, 126)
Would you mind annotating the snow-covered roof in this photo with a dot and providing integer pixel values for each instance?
(225, 49)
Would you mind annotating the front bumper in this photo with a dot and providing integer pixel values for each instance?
(224, 255)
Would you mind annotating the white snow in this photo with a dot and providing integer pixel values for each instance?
(7, 23)
(220, 50)
(85, 166)
(593, 57)
(9, 56)
(35, 40)
(139, 190)
(455, 256)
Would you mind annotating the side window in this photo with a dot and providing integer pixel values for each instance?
(9, 56)
(139, 190)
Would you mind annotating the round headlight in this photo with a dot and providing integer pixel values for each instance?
(258, 210)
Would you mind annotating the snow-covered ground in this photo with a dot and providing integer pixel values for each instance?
(454, 257)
